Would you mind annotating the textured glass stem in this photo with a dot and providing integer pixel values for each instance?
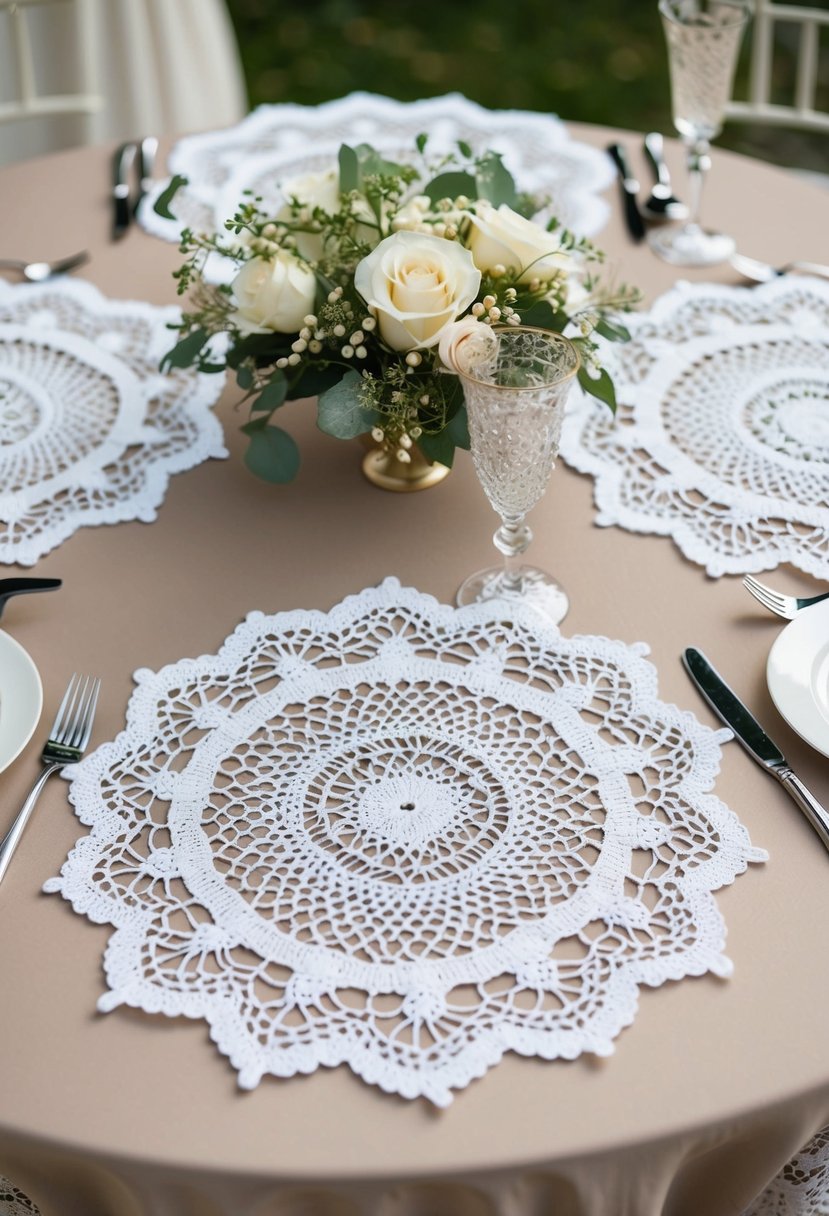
(512, 539)
(699, 162)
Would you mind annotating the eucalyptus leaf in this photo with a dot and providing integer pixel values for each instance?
(542, 315)
(494, 181)
(314, 380)
(339, 412)
(273, 394)
(613, 331)
(440, 447)
(458, 428)
(349, 169)
(185, 353)
(371, 162)
(450, 185)
(272, 454)
(601, 387)
(244, 377)
(161, 206)
(258, 346)
(421, 141)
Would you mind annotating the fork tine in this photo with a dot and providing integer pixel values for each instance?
(68, 698)
(76, 726)
(89, 716)
(764, 594)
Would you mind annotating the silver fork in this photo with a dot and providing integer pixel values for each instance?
(786, 606)
(66, 744)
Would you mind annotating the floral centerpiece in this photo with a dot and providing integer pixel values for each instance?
(352, 289)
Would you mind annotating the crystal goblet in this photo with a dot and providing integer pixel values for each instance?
(515, 382)
(703, 39)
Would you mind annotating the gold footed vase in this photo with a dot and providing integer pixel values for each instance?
(383, 469)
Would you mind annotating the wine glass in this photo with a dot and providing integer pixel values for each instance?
(703, 39)
(515, 382)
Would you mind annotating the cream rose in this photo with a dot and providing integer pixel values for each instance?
(311, 190)
(502, 237)
(276, 294)
(466, 342)
(415, 285)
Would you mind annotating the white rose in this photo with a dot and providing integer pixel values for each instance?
(322, 190)
(273, 295)
(415, 285)
(311, 190)
(477, 339)
(502, 237)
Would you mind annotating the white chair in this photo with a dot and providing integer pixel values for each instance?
(29, 102)
(802, 112)
(86, 71)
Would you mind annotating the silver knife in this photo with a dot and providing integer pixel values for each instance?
(748, 731)
(630, 189)
(122, 163)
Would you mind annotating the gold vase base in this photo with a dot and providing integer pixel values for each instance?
(383, 469)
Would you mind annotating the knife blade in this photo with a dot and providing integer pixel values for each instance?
(122, 162)
(630, 189)
(753, 738)
(22, 586)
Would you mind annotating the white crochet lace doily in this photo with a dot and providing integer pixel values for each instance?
(721, 439)
(276, 143)
(802, 1186)
(90, 432)
(13, 1202)
(404, 837)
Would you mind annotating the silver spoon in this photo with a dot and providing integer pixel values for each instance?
(661, 204)
(38, 272)
(761, 272)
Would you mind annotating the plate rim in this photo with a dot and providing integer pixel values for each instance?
(790, 706)
(23, 666)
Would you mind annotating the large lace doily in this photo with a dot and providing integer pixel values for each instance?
(13, 1202)
(802, 1186)
(90, 432)
(404, 837)
(278, 142)
(721, 439)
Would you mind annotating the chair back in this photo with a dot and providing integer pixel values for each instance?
(802, 110)
(28, 101)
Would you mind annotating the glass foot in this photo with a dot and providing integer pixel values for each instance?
(537, 589)
(692, 246)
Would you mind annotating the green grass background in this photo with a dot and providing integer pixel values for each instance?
(601, 61)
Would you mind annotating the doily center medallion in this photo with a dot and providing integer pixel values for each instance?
(64, 399)
(722, 434)
(25, 410)
(791, 416)
(398, 793)
(404, 837)
(90, 430)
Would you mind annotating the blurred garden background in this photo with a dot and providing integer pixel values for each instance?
(601, 61)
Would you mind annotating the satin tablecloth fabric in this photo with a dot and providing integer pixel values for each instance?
(715, 1085)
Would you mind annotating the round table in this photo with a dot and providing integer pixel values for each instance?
(716, 1083)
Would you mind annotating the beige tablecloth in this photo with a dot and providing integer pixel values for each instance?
(715, 1084)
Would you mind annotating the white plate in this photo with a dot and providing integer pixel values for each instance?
(797, 672)
(21, 699)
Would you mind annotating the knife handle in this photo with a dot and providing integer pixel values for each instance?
(816, 814)
(623, 165)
